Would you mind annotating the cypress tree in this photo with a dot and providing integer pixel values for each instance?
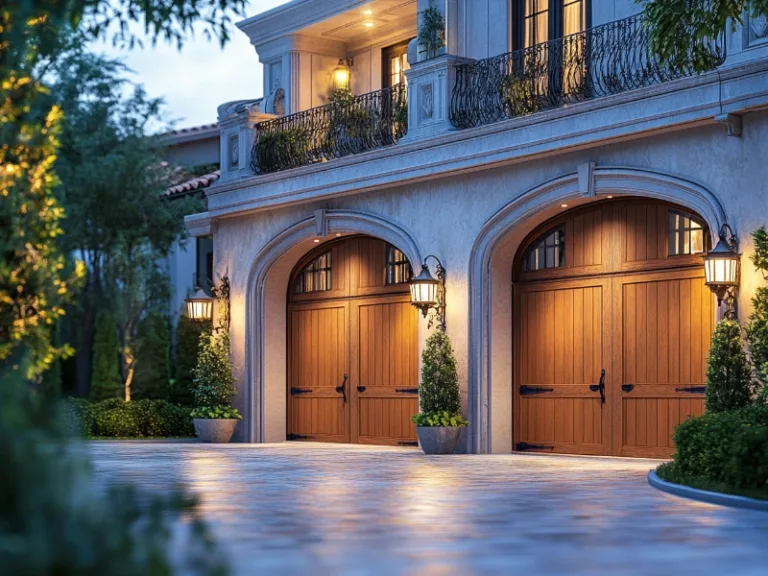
(153, 358)
(106, 381)
(439, 388)
(729, 380)
(187, 343)
(757, 328)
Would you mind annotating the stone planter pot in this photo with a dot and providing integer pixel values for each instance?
(438, 439)
(215, 430)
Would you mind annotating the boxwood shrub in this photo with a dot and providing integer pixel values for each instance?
(726, 447)
(115, 418)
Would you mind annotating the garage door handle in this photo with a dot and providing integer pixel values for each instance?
(343, 388)
(600, 387)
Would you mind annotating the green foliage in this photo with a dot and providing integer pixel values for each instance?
(431, 31)
(106, 371)
(729, 379)
(760, 256)
(281, 147)
(669, 472)
(439, 388)
(153, 358)
(215, 412)
(728, 447)
(679, 30)
(57, 519)
(757, 327)
(136, 419)
(439, 419)
(213, 379)
(188, 334)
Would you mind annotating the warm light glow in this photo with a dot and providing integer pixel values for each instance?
(316, 240)
(721, 271)
(368, 24)
(200, 307)
(424, 294)
(367, 11)
(563, 205)
(338, 235)
(610, 197)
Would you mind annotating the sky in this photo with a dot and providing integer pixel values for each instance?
(196, 80)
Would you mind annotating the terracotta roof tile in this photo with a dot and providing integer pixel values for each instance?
(197, 183)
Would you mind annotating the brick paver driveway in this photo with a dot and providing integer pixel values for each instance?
(323, 509)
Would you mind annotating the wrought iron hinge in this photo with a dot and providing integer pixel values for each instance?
(523, 446)
(407, 443)
(407, 390)
(298, 437)
(528, 390)
(295, 391)
(627, 387)
(692, 389)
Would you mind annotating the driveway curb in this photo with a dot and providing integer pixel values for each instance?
(705, 495)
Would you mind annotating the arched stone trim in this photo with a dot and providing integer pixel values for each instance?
(587, 181)
(323, 223)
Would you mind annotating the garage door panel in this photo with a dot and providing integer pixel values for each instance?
(665, 326)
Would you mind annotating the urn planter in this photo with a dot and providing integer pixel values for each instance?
(215, 430)
(438, 439)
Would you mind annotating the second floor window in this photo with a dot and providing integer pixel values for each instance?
(538, 21)
(315, 276)
(394, 64)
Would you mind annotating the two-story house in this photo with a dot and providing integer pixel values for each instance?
(567, 182)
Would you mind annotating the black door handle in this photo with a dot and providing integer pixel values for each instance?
(343, 388)
(360, 388)
(600, 387)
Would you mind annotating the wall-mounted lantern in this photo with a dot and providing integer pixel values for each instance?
(721, 266)
(428, 292)
(342, 75)
(200, 305)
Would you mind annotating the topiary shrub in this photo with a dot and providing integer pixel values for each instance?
(78, 417)
(188, 334)
(214, 382)
(439, 393)
(729, 380)
(118, 422)
(757, 327)
(153, 358)
(105, 379)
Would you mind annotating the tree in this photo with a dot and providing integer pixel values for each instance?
(214, 382)
(757, 327)
(153, 353)
(106, 371)
(680, 30)
(188, 333)
(112, 179)
(439, 388)
(729, 379)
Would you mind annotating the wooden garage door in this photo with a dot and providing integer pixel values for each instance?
(563, 348)
(352, 347)
(664, 325)
(618, 286)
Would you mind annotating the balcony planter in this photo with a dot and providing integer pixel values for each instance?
(215, 430)
(438, 439)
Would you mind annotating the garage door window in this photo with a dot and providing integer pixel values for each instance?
(548, 251)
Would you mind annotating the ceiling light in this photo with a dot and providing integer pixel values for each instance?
(316, 241)
(563, 205)
(367, 11)
(610, 197)
(368, 24)
(338, 235)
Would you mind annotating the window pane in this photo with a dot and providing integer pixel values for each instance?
(686, 235)
(547, 252)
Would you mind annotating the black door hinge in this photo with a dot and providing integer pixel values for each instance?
(298, 437)
(523, 446)
(528, 390)
(295, 391)
(407, 443)
(692, 389)
(407, 390)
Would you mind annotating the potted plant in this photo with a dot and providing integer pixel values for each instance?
(439, 424)
(432, 32)
(214, 386)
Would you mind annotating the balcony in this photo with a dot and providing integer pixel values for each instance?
(349, 125)
(602, 61)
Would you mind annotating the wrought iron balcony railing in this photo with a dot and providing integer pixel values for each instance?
(349, 125)
(605, 60)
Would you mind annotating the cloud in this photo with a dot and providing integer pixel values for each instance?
(196, 80)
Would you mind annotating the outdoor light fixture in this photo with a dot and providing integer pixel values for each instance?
(428, 292)
(721, 266)
(200, 305)
(342, 74)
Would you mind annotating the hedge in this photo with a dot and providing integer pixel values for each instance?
(727, 447)
(117, 419)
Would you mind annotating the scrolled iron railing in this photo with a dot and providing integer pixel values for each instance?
(604, 60)
(348, 125)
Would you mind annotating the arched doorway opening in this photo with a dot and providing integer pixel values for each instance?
(352, 341)
(611, 329)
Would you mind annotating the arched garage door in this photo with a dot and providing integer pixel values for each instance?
(612, 329)
(352, 345)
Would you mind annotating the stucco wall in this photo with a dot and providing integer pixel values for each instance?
(445, 216)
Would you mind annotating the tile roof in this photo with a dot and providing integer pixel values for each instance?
(192, 185)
